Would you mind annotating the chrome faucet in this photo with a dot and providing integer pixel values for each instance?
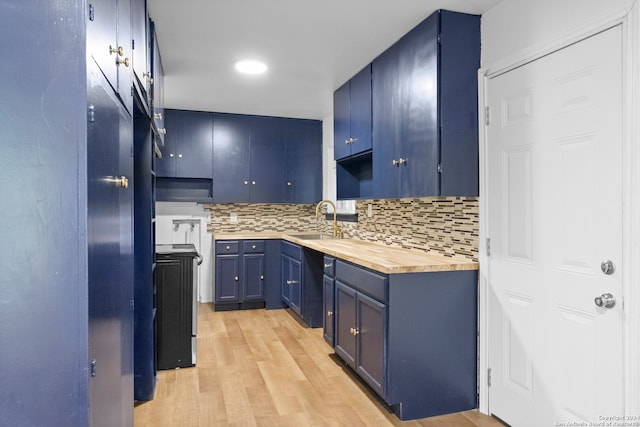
(337, 231)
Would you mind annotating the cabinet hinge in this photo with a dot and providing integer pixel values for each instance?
(486, 116)
(133, 44)
(488, 246)
(91, 114)
(439, 168)
(92, 13)
(489, 377)
(92, 366)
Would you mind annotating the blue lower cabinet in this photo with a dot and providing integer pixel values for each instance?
(421, 360)
(301, 283)
(328, 284)
(240, 274)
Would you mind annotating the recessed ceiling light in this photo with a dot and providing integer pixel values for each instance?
(249, 66)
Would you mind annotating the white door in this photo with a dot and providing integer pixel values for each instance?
(555, 214)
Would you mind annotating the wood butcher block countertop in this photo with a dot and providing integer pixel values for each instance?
(378, 257)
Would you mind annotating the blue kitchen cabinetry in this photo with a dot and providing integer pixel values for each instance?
(420, 361)
(301, 284)
(185, 170)
(109, 43)
(157, 86)
(360, 322)
(110, 254)
(260, 159)
(240, 274)
(141, 45)
(144, 254)
(328, 284)
(303, 161)
(424, 103)
(75, 357)
(352, 116)
(188, 150)
(231, 159)
(266, 176)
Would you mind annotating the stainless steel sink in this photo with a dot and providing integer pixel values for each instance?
(313, 236)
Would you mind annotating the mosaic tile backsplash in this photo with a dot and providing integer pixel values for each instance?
(442, 225)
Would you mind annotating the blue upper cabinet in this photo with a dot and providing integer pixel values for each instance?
(188, 145)
(141, 66)
(352, 116)
(157, 86)
(303, 161)
(232, 153)
(267, 159)
(259, 159)
(109, 44)
(424, 104)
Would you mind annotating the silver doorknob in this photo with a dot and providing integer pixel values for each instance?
(607, 267)
(605, 301)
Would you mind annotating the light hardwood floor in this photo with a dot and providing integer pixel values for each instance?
(262, 368)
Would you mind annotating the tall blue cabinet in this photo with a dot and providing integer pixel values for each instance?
(67, 174)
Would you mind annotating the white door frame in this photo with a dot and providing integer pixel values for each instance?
(630, 21)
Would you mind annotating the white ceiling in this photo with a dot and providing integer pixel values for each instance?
(310, 46)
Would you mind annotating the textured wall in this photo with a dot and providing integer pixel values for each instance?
(444, 225)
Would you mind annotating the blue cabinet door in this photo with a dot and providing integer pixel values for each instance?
(110, 255)
(252, 277)
(188, 150)
(166, 165)
(195, 144)
(125, 75)
(285, 281)
(345, 310)
(459, 61)
(139, 37)
(371, 334)
(386, 123)
(109, 43)
(232, 156)
(303, 161)
(102, 37)
(418, 115)
(227, 278)
(328, 303)
(295, 293)
(361, 111)
(267, 159)
(342, 121)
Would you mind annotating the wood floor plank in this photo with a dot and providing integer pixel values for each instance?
(262, 368)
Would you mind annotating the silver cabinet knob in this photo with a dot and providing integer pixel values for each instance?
(180, 155)
(246, 182)
(607, 267)
(327, 265)
(605, 301)
(253, 183)
(171, 155)
(253, 247)
(236, 278)
(228, 247)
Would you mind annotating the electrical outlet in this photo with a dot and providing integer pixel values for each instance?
(233, 218)
(369, 210)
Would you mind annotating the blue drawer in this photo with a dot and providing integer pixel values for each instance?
(292, 250)
(362, 279)
(329, 266)
(227, 247)
(252, 246)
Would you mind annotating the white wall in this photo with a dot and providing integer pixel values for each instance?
(514, 27)
(165, 213)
